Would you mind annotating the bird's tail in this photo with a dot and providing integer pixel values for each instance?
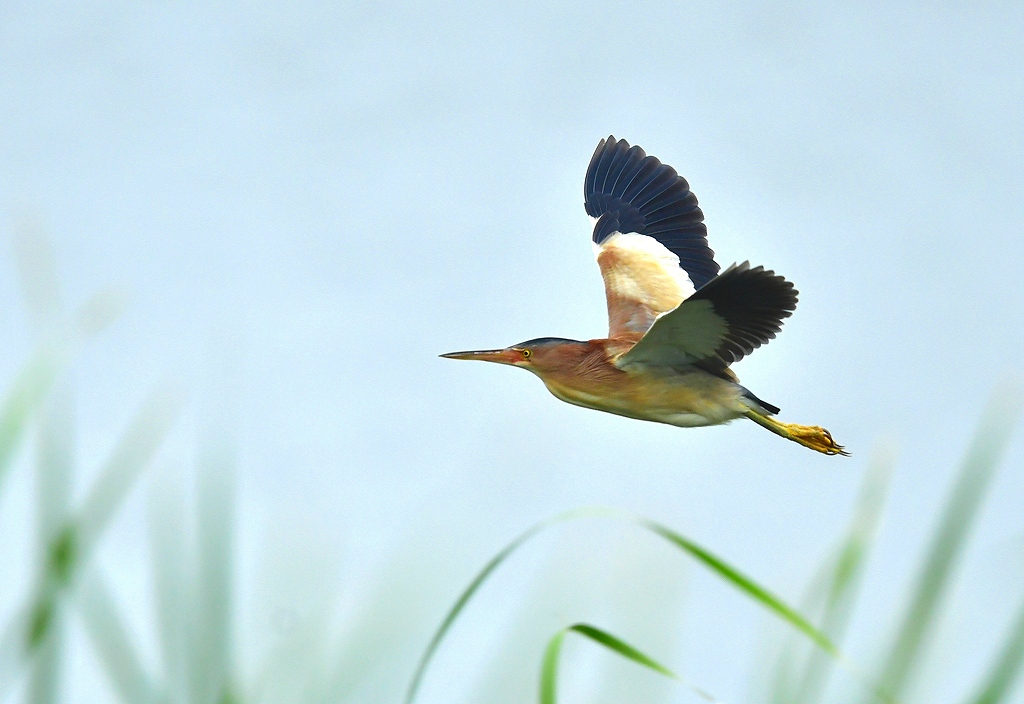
(810, 436)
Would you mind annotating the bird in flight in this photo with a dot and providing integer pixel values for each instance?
(675, 323)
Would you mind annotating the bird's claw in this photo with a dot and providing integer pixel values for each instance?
(816, 438)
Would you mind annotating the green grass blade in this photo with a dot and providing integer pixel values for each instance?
(172, 559)
(129, 458)
(68, 546)
(41, 289)
(718, 566)
(460, 604)
(30, 628)
(998, 685)
(745, 584)
(549, 663)
(54, 460)
(27, 630)
(621, 647)
(34, 382)
(44, 678)
(212, 647)
(26, 633)
(863, 528)
(833, 591)
(37, 269)
(45, 636)
(25, 396)
(988, 446)
(12, 651)
(549, 668)
(476, 583)
(112, 643)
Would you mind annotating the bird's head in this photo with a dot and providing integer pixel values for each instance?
(541, 356)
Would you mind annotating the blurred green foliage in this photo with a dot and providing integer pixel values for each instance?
(193, 553)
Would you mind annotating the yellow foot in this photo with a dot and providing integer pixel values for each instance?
(813, 437)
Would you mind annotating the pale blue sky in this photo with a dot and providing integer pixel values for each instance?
(354, 188)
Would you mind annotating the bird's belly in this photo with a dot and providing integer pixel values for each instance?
(686, 400)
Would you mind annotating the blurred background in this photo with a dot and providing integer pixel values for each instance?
(299, 205)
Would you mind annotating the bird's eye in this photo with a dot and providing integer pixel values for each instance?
(527, 354)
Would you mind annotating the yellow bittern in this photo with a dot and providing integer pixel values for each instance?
(675, 322)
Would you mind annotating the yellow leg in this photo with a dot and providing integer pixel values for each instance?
(810, 436)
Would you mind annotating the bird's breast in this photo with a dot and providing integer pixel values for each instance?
(690, 398)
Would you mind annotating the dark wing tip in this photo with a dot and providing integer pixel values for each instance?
(757, 284)
(629, 191)
(753, 301)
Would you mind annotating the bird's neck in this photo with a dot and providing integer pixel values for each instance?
(586, 366)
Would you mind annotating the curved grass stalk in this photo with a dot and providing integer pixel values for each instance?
(469, 591)
(730, 574)
(549, 666)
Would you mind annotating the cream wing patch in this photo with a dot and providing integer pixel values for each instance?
(642, 280)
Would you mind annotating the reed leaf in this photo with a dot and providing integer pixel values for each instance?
(12, 650)
(44, 679)
(986, 449)
(469, 591)
(112, 643)
(549, 663)
(831, 597)
(745, 584)
(129, 458)
(66, 553)
(998, 684)
(211, 648)
(549, 667)
(731, 575)
(33, 383)
(41, 290)
(55, 465)
(26, 395)
(172, 558)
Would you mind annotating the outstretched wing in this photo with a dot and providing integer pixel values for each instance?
(737, 312)
(649, 235)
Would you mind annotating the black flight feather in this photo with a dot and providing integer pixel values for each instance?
(629, 191)
(753, 302)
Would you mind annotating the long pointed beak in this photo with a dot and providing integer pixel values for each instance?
(499, 356)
